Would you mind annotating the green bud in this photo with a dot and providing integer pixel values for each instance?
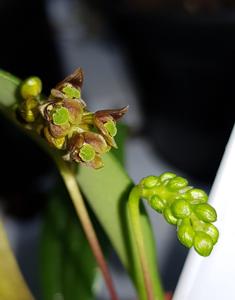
(181, 208)
(203, 243)
(185, 234)
(166, 176)
(157, 203)
(149, 182)
(196, 196)
(28, 116)
(169, 217)
(111, 127)
(205, 212)
(212, 231)
(87, 153)
(71, 92)
(60, 116)
(31, 87)
(177, 183)
(28, 109)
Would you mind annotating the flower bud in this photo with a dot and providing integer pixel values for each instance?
(203, 243)
(169, 217)
(31, 87)
(167, 175)
(185, 234)
(181, 208)
(157, 203)
(28, 109)
(196, 196)
(212, 231)
(205, 212)
(149, 182)
(177, 183)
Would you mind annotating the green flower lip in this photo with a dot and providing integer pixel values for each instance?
(111, 127)
(87, 153)
(71, 92)
(60, 116)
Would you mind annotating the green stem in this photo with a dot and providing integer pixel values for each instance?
(73, 189)
(134, 213)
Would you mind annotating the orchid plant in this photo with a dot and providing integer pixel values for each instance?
(80, 142)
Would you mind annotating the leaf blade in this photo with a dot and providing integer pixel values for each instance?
(12, 283)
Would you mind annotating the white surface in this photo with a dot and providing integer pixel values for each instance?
(213, 278)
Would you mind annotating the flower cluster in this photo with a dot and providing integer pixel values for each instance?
(65, 122)
(183, 206)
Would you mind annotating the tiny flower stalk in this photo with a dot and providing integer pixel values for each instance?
(78, 135)
(134, 214)
(74, 192)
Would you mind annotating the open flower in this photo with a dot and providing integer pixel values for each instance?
(61, 117)
(87, 148)
(105, 122)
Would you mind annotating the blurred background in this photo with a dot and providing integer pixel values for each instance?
(171, 61)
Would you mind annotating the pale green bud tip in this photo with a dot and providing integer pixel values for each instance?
(31, 87)
(177, 183)
(196, 196)
(157, 203)
(205, 212)
(181, 208)
(111, 127)
(149, 182)
(169, 217)
(203, 243)
(60, 116)
(167, 175)
(71, 92)
(87, 153)
(212, 231)
(186, 235)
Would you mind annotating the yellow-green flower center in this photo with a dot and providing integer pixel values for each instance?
(87, 153)
(60, 116)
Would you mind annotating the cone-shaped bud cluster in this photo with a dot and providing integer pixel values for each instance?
(183, 206)
(66, 123)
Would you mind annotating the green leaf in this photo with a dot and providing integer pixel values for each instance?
(9, 84)
(12, 284)
(107, 191)
(68, 267)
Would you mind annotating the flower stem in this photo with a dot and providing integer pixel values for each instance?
(74, 192)
(134, 213)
